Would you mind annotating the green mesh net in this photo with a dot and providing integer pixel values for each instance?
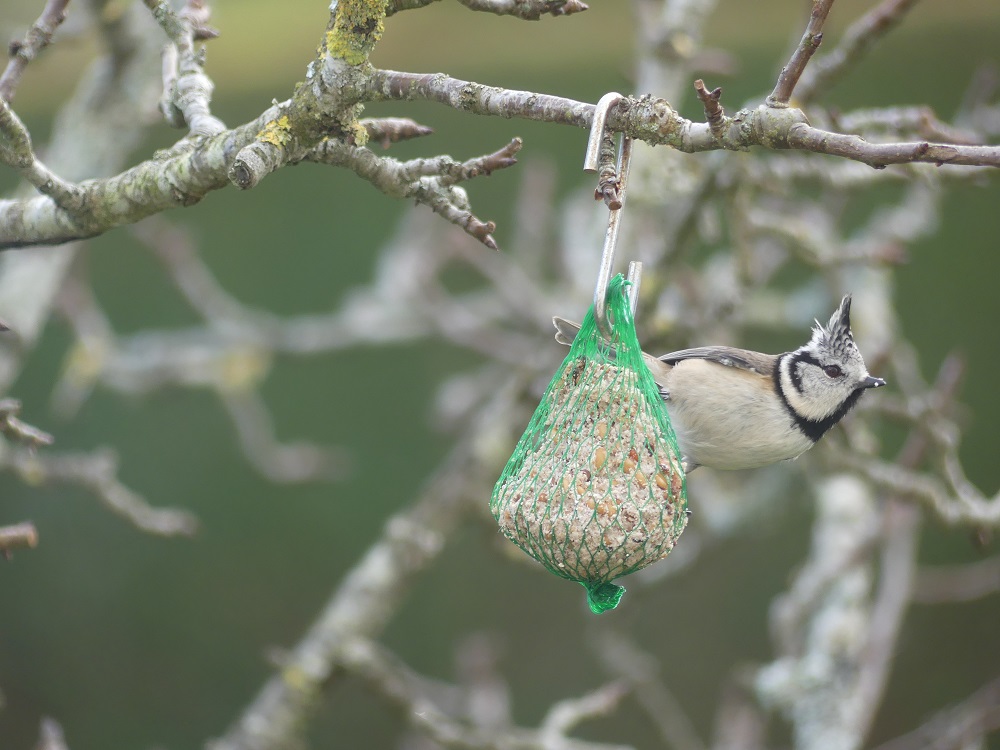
(594, 489)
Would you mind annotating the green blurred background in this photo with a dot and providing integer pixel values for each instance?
(134, 642)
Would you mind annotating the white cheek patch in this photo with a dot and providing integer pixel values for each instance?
(817, 400)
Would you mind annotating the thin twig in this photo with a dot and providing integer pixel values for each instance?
(898, 564)
(98, 473)
(859, 39)
(397, 683)
(740, 724)
(15, 429)
(24, 51)
(950, 584)
(17, 536)
(388, 130)
(19, 154)
(564, 716)
(528, 10)
(280, 462)
(187, 90)
(624, 660)
(50, 736)
(964, 725)
(792, 71)
(431, 182)
(368, 596)
(897, 121)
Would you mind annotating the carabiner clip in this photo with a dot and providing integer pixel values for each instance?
(611, 187)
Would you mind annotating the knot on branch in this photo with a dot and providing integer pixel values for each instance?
(651, 119)
(714, 113)
(772, 126)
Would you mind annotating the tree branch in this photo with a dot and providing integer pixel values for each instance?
(895, 121)
(792, 71)
(859, 39)
(180, 179)
(14, 429)
(187, 91)
(880, 155)
(191, 171)
(17, 536)
(624, 660)
(528, 10)
(24, 51)
(964, 725)
(367, 598)
(50, 736)
(393, 680)
(952, 584)
(97, 472)
(18, 153)
(428, 181)
(279, 462)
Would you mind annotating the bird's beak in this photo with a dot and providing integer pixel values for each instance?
(871, 382)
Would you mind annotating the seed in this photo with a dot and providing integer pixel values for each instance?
(602, 430)
(627, 465)
(640, 479)
(600, 457)
(613, 538)
(661, 481)
(633, 454)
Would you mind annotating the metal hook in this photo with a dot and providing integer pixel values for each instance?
(590, 164)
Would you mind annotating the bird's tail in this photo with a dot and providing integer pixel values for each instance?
(566, 330)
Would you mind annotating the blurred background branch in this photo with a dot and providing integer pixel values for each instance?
(408, 359)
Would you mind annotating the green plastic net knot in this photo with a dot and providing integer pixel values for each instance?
(594, 489)
(603, 596)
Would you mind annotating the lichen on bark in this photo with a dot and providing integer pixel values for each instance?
(357, 28)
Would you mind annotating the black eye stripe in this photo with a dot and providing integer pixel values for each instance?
(807, 357)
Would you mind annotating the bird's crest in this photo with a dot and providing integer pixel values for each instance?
(835, 337)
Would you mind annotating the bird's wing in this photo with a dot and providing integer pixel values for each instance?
(743, 359)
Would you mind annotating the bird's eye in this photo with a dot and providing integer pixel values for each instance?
(833, 371)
